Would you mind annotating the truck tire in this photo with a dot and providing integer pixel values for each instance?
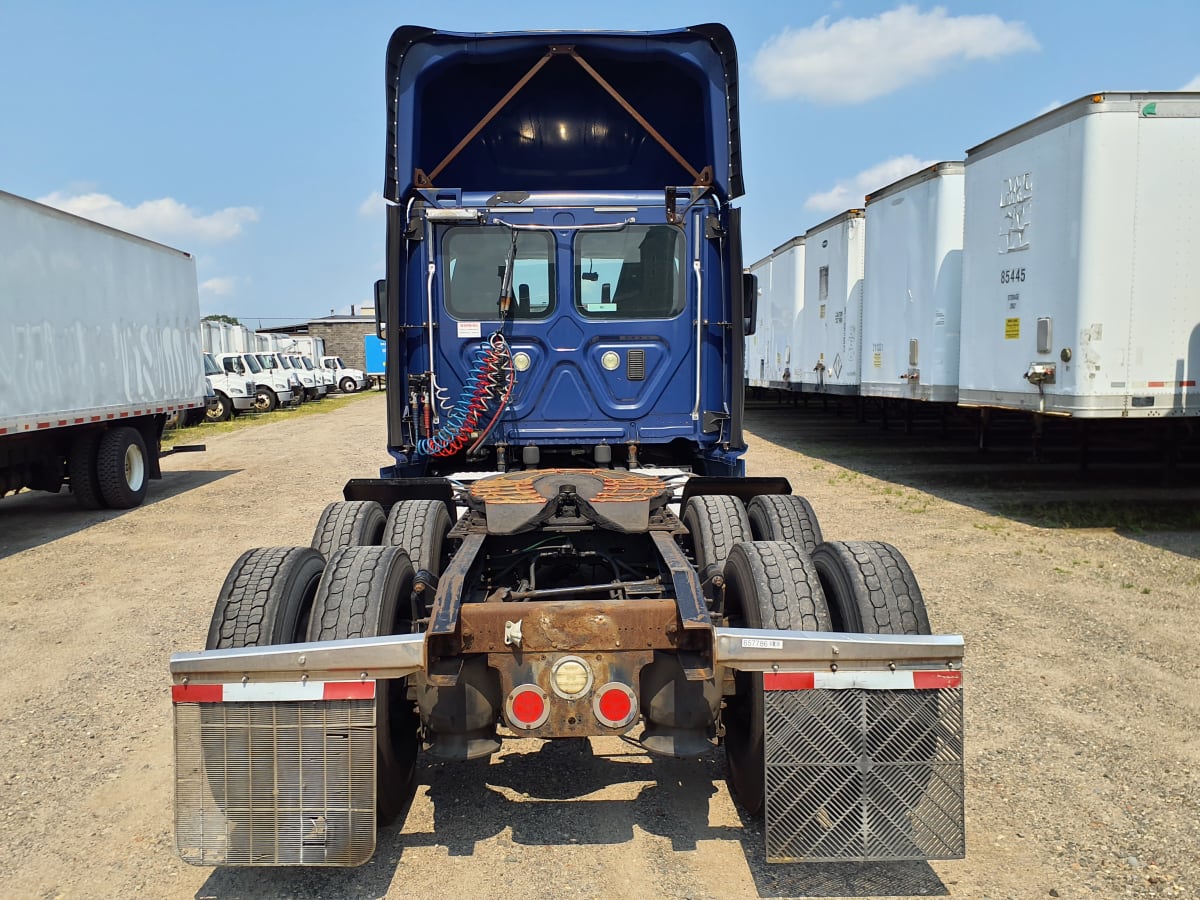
(266, 598)
(715, 522)
(420, 527)
(265, 399)
(784, 517)
(81, 469)
(366, 592)
(768, 584)
(348, 385)
(870, 588)
(349, 523)
(122, 469)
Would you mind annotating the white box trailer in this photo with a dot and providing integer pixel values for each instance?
(780, 304)
(757, 343)
(913, 291)
(100, 344)
(1080, 272)
(831, 318)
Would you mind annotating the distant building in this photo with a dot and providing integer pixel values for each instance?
(343, 335)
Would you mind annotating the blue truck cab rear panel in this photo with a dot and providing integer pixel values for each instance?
(593, 191)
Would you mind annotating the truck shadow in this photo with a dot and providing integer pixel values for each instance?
(1126, 486)
(33, 518)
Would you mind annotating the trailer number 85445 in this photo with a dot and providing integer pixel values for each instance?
(1008, 276)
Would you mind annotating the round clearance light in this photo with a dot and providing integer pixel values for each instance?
(570, 677)
(521, 361)
(610, 360)
(615, 705)
(527, 707)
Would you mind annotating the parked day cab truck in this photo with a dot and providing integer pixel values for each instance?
(565, 545)
(100, 341)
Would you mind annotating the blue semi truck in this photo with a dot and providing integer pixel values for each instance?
(566, 545)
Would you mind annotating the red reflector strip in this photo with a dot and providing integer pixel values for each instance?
(196, 693)
(349, 690)
(926, 681)
(788, 681)
(868, 681)
(273, 692)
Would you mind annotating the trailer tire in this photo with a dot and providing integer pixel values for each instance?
(266, 598)
(348, 385)
(784, 517)
(871, 588)
(349, 523)
(420, 527)
(122, 467)
(716, 522)
(366, 592)
(768, 584)
(265, 399)
(81, 469)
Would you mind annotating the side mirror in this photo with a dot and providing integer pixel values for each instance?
(381, 308)
(749, 303)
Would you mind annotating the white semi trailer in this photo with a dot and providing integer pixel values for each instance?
(1080, 266)
(780, 307)
(831, 317)
(912, 295)
(99, 337)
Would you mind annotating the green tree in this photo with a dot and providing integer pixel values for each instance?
(228, 320)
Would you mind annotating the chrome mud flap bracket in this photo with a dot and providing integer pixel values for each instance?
(274, 779)
(863, 743)
(864, 772)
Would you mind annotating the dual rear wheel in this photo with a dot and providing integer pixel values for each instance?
(346, 585)
(789, 578)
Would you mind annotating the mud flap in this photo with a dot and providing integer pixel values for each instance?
(864, 766)
(274, 783)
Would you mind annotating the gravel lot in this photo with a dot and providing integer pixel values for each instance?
(1083, 761)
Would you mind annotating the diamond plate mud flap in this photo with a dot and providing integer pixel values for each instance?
(864, 766)
(275, 782)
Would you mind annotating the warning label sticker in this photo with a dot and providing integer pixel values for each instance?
(469, 330)
(1012, 329)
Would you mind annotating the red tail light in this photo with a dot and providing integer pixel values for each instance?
(615, 705)
(527, 706)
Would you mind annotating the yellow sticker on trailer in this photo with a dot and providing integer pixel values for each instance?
(1012, 329)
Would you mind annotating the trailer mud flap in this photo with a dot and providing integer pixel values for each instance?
(275, 782)
(860, 770)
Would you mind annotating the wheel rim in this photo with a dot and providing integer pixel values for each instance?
(135, 468)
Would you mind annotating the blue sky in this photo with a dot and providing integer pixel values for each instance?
(251, 134)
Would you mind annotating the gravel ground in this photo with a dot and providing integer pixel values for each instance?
(1082, 721)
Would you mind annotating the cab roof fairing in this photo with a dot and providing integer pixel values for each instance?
(684, 82)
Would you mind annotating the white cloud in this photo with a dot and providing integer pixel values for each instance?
(372, 207)
(165, 219)
(1049, 107)
(1193, 85)
(849, 193)
(852, 60)
(219, 287)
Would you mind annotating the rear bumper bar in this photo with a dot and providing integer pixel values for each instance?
(397, 656)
